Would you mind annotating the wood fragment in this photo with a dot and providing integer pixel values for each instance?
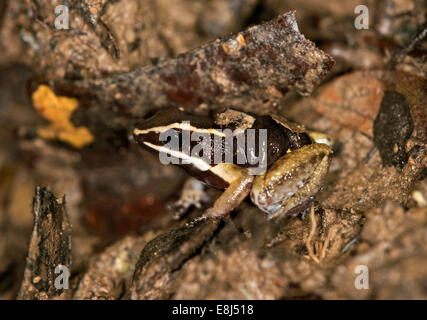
(251, 71)
(161, 257)
(50, 247)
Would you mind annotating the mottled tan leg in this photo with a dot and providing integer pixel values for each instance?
(307, 191)
(230, 198)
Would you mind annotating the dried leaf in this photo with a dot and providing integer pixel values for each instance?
(58, 111)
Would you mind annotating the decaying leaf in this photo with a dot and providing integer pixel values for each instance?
(346, 108)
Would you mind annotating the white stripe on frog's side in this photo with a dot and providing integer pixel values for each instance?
(179, 125)
(188, 159)
(229, 172)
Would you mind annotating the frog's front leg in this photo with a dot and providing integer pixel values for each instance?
(292, 180)
(230, 199)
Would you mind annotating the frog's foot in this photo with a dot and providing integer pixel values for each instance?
(192, 195)
(230, 198)
(293, 180)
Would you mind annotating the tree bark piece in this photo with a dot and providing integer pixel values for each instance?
(50, 246)
(162, 256)
(251, 71)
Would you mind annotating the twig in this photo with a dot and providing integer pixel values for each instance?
(310, 237)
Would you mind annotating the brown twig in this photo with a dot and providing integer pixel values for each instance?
(308, 241)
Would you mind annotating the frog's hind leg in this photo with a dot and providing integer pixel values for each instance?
(304, 196)
(230, 199)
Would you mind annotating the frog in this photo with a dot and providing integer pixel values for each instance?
(296, 160)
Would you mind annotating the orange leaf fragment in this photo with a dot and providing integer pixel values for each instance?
(58, 111)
